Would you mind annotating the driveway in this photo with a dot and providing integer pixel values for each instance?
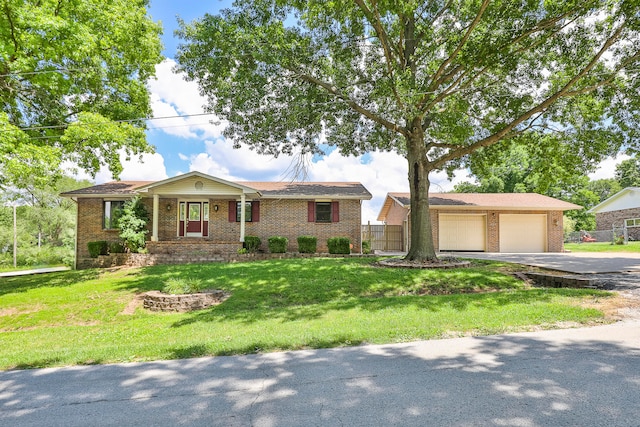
(573, 377)
(575, 262)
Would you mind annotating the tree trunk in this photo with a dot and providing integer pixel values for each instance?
(422, 247)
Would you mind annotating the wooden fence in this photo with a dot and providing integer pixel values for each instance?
(384, 237)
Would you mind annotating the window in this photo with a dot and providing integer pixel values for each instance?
(251, 211)
(323, 212)
(635, 222)
(112, 209)
(247, 211)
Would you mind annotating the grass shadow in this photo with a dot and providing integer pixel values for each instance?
(17, 284)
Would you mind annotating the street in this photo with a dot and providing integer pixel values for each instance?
(571, 377)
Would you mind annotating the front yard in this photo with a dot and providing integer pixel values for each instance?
(91, 316)
(602, 247)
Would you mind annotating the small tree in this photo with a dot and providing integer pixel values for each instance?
(132, 222)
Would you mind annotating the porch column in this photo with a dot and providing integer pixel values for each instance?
(242, 207)
(156, 208)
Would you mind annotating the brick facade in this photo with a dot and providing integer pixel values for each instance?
(278, 217)
(606, 220)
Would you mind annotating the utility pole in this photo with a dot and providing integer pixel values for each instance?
(15, 237)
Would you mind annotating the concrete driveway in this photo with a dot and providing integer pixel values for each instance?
(575, 262)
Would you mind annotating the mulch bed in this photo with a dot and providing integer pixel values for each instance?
(441, 263)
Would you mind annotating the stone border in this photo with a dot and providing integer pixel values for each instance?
(443, 264)
(159, 301)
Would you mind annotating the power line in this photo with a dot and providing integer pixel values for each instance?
(115, 121)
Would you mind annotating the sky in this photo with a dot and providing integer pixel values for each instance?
(193, 143)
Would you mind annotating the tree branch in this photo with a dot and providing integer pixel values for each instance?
(509, 129)
(456, 51)
(376, 23)
(333, 90)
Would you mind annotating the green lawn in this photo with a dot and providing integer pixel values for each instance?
(602, 247)
(77, 317)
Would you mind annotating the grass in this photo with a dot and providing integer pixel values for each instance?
(77, 317)
(602, 247)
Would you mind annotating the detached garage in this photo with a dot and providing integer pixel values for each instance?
(505, 222)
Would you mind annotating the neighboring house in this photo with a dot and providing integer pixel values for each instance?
(510, 222)
(620, 210)
(199, 213)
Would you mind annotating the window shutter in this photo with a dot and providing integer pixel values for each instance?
(311, 211)
(232, 211)
(335, 211)
(255, 211)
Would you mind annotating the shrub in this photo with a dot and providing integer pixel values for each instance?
(133, 224)
(252, 243)
(278, 244)
(99, 247)
(182, 285)
(116, 248)
(366, 247)
(339, 245)
(307, 244)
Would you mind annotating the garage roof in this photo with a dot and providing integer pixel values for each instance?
(481, 201)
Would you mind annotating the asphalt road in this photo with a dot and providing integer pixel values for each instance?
(573, 377)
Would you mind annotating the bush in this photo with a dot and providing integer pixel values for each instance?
(278, 244)
(116, 248)
(252, 243)
(181, 285)
(99, 247)
(339, 245)
(307, 244)
(366, 247)
(133, 224)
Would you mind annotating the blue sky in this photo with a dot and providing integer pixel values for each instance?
(191, 143)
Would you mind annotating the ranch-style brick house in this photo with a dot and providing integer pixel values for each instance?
(196, 213)
(620, 211)
(477, 222)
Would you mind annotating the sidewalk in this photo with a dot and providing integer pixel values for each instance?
(34, 271)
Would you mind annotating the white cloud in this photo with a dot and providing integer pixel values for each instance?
(222, 160)
(148, 167)
(171, 96)
(607, 168)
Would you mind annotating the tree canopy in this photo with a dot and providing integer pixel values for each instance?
(73, 84)
(440, 82)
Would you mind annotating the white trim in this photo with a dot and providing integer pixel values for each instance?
(156, 207)
(243, 202)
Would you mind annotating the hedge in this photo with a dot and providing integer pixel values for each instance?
(339, 245)
(278, 244)
(307, 244)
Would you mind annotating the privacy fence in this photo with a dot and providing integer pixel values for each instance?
(384, 237)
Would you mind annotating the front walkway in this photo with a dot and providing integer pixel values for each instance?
(33, 271)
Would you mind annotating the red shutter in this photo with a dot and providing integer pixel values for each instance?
(232, 211)
(255, 211)
(335, 211)
(311, 211)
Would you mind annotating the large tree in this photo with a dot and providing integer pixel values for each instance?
(73, 84)
(437, 81)
(628, 172)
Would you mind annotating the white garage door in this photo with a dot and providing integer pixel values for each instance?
(522, 233)
(462, 232)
